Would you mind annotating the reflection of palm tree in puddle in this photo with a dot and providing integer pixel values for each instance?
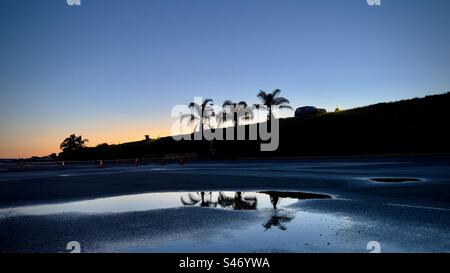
(238, 202)
(276, 197)
(199, 198)
(274, 200)
(241, 202)
(277, 220)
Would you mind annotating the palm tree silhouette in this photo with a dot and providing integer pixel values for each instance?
(235, 111)
(201, 114)
(199, 198)
(278, 220)
(73, 143)
(272, 99)
(238, 202)
(274, 200)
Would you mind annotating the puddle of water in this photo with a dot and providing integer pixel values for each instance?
(282, 231)
(394, 179)
(152, 201)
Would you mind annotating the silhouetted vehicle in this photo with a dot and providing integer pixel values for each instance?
(307, 111)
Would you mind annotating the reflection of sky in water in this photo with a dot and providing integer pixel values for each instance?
(309, 232)
(287, 229)
(138, 202)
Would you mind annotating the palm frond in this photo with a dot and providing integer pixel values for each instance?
(285, 107)
(280, 100)
(227, 103)
(196, 107)
(262, 95)
(259, 106)
(242, 103)
(192, 200)
(191, 118)
(206, 102)
(275, 92)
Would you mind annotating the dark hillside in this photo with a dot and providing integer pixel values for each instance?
(409, 126)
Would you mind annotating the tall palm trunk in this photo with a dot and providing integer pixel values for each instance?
(269, 120)
(236, 124)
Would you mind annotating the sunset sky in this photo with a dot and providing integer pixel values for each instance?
(111, 70)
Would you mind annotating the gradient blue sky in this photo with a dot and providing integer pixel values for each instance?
(111, 70)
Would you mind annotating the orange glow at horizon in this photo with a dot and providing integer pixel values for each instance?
(28, 145)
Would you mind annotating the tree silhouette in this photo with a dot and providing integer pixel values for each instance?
(278, 220)
(275, 200)
(272, 99)
(238, 202)
(201, 114)
(199, 198)
(73, 143)
(236, 111)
